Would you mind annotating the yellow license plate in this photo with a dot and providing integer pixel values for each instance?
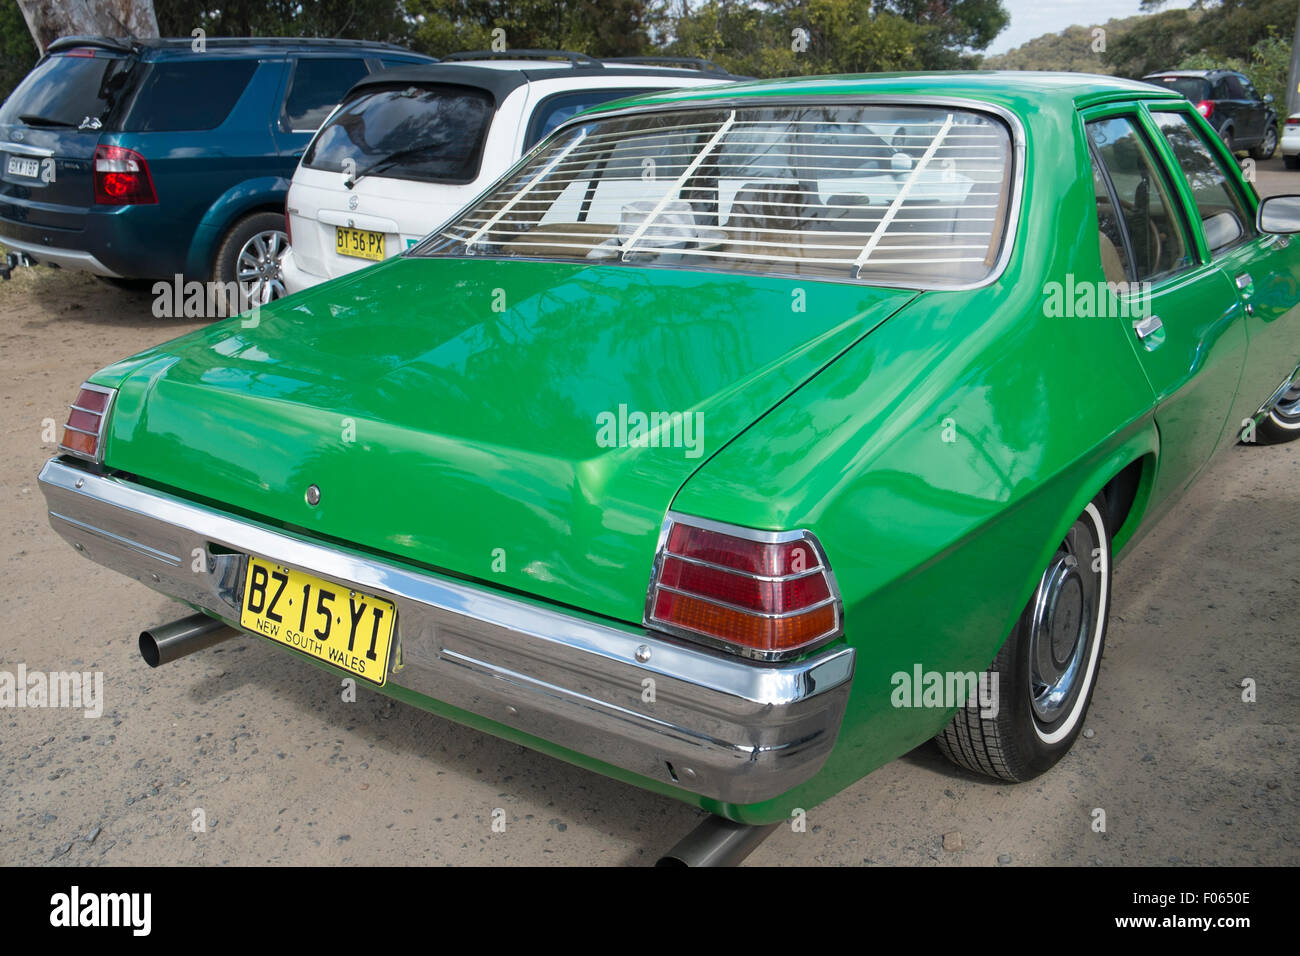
(359, 243)
(335, 624)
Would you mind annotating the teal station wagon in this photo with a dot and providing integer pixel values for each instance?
(735, 442)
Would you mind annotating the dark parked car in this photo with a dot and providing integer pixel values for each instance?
(140, 159)
(1242, 118)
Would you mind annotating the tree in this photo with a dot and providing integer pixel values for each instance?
(50, 19)
(594, 27)
(353, 19)
(791, 37)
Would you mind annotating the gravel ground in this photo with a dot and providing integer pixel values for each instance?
(262, 749)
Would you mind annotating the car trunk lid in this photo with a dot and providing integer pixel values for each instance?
(483, 417)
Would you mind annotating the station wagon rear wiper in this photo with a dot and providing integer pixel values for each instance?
(31, 119)
(390, 160)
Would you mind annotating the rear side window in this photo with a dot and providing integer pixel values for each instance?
(554, 110)
(318, 84)
(1146, 206)
(1223, 214)
(883, 194)
(428, 134)
(81, 86)
(167, 100)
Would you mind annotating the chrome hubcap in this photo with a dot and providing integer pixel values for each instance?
(1288, 405)
(258, 267)
(1064, 619)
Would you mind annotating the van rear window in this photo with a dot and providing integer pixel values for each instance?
(424, 133)
(69, 89)
(188, 94)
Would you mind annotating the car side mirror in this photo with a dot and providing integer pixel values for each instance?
(1268, 97)
(1279, 215)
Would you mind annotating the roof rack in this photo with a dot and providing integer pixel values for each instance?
(575, 59)
(126, 44)
(695, 62)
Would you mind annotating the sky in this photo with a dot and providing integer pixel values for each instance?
(1033, 18)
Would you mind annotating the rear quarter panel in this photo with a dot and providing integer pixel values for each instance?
(942, 458)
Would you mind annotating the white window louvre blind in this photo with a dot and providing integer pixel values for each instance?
(677, 186)
(894, 206)
(878, 193)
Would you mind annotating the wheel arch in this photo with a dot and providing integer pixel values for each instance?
(264, 194)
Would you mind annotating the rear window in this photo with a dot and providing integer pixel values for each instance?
(427, 134)
(1192, 87)
(77, 87)
(912, 195)
(167, 100)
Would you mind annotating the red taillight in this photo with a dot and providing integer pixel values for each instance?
(85, 428)
(1205, 108)
(122, 177)
(763, 594)
(1293, 121)
(80, 51)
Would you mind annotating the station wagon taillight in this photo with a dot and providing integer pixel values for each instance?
(767, 595)
(1205, 108)
(83, 434)
(122, 178)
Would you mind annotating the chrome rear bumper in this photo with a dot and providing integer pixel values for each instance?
(723, 727)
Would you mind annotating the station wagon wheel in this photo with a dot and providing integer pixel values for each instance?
(1043, 677)
(1282, 423)
(250, 255)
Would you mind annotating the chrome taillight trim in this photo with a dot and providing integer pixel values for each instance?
(111, 394)
(751, 534)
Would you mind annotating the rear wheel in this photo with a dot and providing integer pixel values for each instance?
(1282, 423)
(1267, 147)
(1046, 671)
(250, 255)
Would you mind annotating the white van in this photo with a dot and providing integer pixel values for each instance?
(409, 147)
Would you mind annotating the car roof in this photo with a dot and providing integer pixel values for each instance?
(1019, 90)
(1197, 74)
(500, 80)
(154, 46)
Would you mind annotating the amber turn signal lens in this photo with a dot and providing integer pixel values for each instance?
(85, 426)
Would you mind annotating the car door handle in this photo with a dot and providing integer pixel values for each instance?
(1145, 328)
(1245, 281)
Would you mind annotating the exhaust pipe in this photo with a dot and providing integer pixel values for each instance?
(717, 842)
(168, 642)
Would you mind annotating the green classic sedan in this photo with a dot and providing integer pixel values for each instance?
(735, 442)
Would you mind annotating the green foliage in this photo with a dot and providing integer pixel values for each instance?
(1076, 49)
(594, 27)
(17, 49)
(842, 36)
(754, 37)
(1268, 64)
(354, 19)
